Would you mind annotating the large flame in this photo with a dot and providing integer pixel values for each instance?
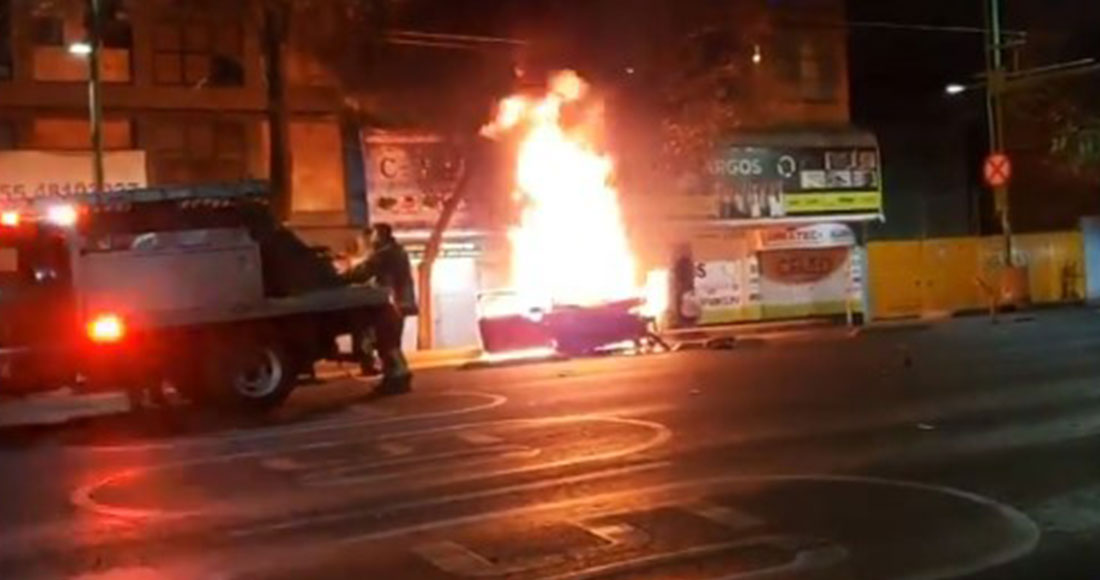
(570, 246)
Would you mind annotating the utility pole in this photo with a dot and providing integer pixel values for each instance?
(995, 91)
(95, 103)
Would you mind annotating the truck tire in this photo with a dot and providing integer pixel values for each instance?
(251, 375)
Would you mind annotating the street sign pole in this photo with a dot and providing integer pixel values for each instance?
(995, 72)
(95, 103)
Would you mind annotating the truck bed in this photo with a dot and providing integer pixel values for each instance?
(330, 300)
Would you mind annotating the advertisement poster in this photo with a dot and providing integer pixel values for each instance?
(26, 175)
(718, 292)
(762, 183)
(409, 176)
(806, 282)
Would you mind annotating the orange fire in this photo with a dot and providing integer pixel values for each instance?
(570, 246)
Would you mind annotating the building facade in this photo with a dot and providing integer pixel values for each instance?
(182, 81)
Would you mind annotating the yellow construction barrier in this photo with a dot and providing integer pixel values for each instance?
(949, 275)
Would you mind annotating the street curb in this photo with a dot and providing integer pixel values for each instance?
(58, 408)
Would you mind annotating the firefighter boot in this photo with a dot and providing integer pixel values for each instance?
(396, 376)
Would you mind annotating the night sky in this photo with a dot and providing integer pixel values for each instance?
(933, 144)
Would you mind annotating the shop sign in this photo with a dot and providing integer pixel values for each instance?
(798, 268)
(26, 175)
(803, 237)
(409, 177)
(767, 183)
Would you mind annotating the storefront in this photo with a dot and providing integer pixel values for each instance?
(777, 231)
(408, 177)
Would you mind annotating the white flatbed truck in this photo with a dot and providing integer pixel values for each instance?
(198, 287)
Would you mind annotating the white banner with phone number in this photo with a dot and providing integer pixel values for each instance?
(26, 175)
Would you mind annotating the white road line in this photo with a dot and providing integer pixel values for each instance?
(344, 474)
(299, 523)
(725, 516)
(804, 561)
(283, 464)
(478, 438)
(240, 436)
(83, 496)
(394, 449)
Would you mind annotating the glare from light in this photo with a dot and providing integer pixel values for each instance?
(80, 49)
(62, 215)
(656, 293)
(518, 355)
(757, 54)
(106, 329)
(954, 89)
(9, 219)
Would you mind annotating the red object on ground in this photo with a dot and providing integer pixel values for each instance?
(512, 333)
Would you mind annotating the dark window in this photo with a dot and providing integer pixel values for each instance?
(808, 63)
(7, 134)
(48, 31)
(5, 40)
(117, 33)
(197, 54)
(199, 150)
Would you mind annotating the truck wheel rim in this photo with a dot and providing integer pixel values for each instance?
(260, 376)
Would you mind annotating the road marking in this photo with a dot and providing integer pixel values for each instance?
(811, 559)
(615, 534)
(299, 523)
(394, 449)
(283, 464)
(725, 516)
(1026, 532)
(454, 558)
(240, 436)
(340, 476)
(83, 496)
(477, 438)
(1074, 512)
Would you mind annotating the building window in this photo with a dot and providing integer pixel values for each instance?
(809, 63)
(198, 54)
(7, 135)
(74, 134)
(48, 30)
(56, 25)
(5, 40)
(199, 150)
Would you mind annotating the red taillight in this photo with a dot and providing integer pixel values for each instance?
(106, 329)
(9, 219)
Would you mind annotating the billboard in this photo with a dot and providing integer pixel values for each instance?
(26, 175)
(409, 176)
(777, 182)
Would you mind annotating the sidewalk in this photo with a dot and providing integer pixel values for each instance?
(58, 407)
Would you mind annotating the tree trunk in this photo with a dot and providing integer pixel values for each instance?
(425, 336)
(275, 29)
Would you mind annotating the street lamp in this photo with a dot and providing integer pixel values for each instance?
(955, 89)
(80, 49)
(90, 49)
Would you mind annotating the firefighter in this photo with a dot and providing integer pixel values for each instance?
(388, 266)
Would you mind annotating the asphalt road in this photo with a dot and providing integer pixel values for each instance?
(962, 450)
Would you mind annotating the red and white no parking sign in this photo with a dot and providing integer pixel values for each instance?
(997, 170)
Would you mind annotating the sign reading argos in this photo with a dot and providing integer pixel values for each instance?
(775, 182)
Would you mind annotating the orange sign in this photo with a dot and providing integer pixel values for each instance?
(997, 170)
